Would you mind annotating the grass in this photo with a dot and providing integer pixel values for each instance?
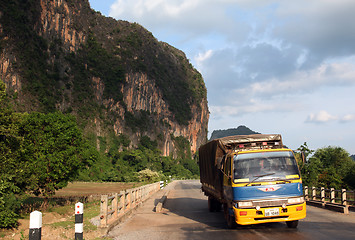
(60, 215)
(91, 209)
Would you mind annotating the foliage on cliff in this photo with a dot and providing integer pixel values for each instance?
(54, 75)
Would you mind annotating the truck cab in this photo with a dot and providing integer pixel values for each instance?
(262, 185)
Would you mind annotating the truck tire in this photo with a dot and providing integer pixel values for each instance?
(213, 205)
(292, 224)
(231, 224)
(218, 206)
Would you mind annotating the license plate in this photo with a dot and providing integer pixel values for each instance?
(272, 212)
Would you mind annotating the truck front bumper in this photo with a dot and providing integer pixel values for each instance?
(269, 214)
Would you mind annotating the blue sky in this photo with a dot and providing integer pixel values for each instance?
(275, 66)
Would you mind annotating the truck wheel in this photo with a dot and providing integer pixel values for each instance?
(217, 206)
(213, 205)
(229, 218)
(292, 224)
(231, 222)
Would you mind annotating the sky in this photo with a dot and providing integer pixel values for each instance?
(284, 67)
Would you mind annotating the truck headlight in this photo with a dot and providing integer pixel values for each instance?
(244, 204)
(295, 200)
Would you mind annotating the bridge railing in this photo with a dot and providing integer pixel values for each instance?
(113, 207)
(332, 198)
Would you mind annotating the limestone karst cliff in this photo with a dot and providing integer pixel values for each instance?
(115, 76)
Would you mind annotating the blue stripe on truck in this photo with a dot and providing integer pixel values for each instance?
(267, 191)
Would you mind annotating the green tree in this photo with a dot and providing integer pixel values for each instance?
(330, 167)
(52, 150)
(350, 177)
(306, 151)
(303, 161)
(10, 172)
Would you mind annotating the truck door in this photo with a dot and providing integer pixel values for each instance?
(227, 179)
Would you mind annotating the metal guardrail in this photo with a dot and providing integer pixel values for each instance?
(115, 206)
(331, 198)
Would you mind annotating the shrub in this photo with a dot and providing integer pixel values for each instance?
(148, 175)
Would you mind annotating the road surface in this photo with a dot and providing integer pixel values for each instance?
(185, 216)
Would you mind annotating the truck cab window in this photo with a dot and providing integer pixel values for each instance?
(227, 167)
(254, 164)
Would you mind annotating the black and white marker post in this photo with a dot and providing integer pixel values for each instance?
(35, 225)
(79, 217)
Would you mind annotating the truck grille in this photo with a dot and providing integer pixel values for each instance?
(270, 203)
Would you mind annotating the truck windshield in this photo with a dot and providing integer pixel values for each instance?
(263, 166)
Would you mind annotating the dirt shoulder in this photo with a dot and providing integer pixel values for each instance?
(58, 222)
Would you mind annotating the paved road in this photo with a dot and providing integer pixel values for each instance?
(185, 216)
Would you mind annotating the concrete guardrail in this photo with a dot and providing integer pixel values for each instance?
(114, 207)
(332, 199)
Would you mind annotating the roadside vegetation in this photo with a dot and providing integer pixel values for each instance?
(328, 167)
(41, 153)
(58, 222)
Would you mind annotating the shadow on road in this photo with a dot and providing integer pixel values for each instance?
(211, 225)
(196, 210)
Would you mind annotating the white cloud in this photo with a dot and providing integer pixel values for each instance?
(182, 17)
(263, 57)
(326, 75)
(348, 118)
(202, 57)
(320, 117)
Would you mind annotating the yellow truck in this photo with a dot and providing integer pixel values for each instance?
(254, 178)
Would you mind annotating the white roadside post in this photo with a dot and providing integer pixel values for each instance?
(79, 217)
(35, 225)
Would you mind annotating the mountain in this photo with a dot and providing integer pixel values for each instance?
(114, 76)
(241, 130)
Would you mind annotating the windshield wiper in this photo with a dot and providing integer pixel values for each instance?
(283, 180)
(279, 179)
(259, 176)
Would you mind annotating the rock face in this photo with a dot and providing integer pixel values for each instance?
(58, 19)
(113, 75)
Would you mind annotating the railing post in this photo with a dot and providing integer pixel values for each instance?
(133, 198)
(35, 225)
(141, 194)
(306, 192)
(128, 202)
(103, 210)
(115, 205)
(122, 202)
(322, 194)
(314, 194)
(343, 197)
(134, 193)
(332, 195)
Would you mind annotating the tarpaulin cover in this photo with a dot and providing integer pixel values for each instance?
(240, 139)
(211, 154)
